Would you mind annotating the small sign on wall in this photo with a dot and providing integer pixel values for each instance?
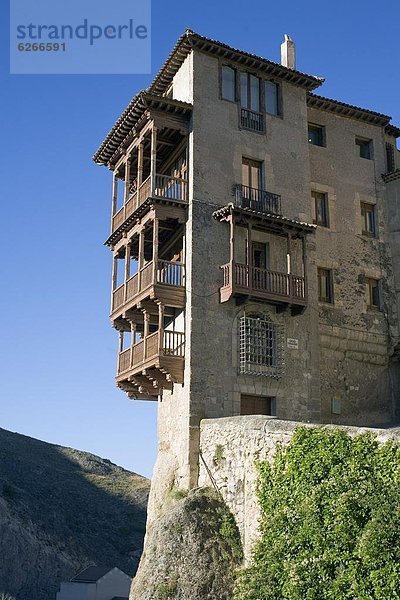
(292, 343)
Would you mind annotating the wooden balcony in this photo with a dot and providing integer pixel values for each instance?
(241, 281)
(165, 283)
(249, 119)
(163, 186)
(152, 364)
(257, 200)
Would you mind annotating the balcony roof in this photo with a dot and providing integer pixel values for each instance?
(276, 223)
(143, 101)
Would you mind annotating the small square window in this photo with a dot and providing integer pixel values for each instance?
(368, 219)
(364, 147)
(325, 285)
(228, 83)
(373, 293)
(316, 135)
(321, 208)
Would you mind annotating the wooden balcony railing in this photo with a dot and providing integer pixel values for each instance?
(252, 120)
(164, 186)
(171, 273)
(159, 343)
(168, 273)
(264, 283)
(173, 188)
(258, 200)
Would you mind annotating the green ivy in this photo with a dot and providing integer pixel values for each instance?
(330, 524)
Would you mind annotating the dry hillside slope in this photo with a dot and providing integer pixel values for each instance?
(60, 510)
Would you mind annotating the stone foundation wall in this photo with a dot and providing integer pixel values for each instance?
(229, 449)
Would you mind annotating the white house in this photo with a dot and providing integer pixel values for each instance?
(96, 583)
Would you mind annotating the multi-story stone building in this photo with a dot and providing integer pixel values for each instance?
(256, 239)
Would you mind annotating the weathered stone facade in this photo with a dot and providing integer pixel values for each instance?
(339, 347)
(231, 447)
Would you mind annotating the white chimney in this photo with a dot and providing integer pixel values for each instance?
(288, 53)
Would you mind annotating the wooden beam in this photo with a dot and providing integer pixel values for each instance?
(140, 165)
(155, 249)
(127, 178)
(249, 254)
(153, 164)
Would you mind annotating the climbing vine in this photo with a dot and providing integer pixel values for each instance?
(330, 525)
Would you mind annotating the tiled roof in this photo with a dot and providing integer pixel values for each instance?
(347, 110)
(130, 117)
(190, 40)
(393, 176)
(91, 574)
(300, 225)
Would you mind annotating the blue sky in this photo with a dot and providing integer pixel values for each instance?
(57, 350)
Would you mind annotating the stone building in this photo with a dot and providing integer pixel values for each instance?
(255, 232)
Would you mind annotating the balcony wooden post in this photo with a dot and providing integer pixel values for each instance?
(140, 165)
(289, 253)
(140, 257)
(127, 178)
(160, 326)
(114, 195)
(153, 159)
(250, 255)
(114, 272)
(289, 263)
(146, 318)
(133, 336)
(127, 267)
(155, 248)
(121, 341)
(305, 259)
(232, 280)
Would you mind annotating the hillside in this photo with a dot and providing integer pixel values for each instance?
(60, 510)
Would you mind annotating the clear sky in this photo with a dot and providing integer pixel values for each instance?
(57, 349)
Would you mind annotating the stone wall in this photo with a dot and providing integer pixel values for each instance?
(229, 449)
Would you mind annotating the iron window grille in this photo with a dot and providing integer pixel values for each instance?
(261, 347)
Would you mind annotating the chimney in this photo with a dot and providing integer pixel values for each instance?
(288, 53)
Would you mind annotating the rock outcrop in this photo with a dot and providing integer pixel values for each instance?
(192, 551)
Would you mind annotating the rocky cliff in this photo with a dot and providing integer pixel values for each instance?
(61, 510)
(192, 551)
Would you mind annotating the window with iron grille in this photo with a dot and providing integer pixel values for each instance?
(261, 347)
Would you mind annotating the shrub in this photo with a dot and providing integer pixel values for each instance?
(330, 524)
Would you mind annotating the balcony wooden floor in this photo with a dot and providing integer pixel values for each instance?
(166, 284)
(151, 365)
(262, 284)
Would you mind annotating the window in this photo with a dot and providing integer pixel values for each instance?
(257, 405)
(261, 347)
(250, 92)
(336, 406)
(272, 98)
(316, 135)
(325, 285)
(368, 219)
(321, 208)
(228, 83)
(390, 161)
(251, 174)
(373, 293)
(364, 147)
